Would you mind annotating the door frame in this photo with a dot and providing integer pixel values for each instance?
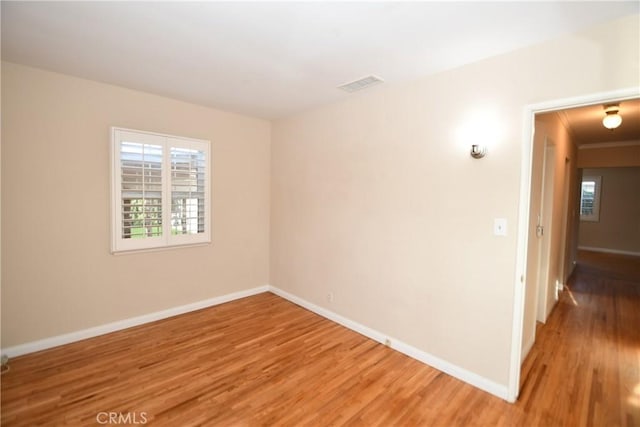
(564, 244)
(546, 219)
(529, 112)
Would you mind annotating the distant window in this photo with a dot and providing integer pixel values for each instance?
(590, 198)
(160, 190)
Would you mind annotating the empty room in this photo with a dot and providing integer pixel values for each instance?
(320, 213)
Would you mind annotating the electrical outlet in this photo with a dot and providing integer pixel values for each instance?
(330, 296)
(500, 227)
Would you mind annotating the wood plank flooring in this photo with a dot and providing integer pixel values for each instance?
(616, 266)
(584, 369)
(264, 361)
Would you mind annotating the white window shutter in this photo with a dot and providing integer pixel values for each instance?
(160, 190)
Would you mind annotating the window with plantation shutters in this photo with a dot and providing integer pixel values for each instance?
(141, 190)
(590, 198)
(160, 190)
(187, 191)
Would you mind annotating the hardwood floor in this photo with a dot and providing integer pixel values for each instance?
(264, 361)
(584, 368)
(617, 266)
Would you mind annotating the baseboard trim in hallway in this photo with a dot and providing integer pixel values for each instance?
(608, 251)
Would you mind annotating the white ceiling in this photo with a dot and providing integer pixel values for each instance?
(273, 59)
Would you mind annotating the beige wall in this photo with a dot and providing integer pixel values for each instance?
(560, 225)
(374, 199)
(619, 226)
(377, 200)
(58, 275)
(607, 157)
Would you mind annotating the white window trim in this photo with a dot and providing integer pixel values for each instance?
(120, 245)
(595, 216)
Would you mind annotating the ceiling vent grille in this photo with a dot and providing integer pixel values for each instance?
(362, 83)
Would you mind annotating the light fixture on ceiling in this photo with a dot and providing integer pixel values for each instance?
(612, 118)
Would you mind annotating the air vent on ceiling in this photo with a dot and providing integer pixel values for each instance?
(362, 83)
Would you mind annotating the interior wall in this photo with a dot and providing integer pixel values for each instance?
(58, 275)
(618, 228)
(377, 200)
(608, 157)
(548, 127)
(533, 243)
(573, 221)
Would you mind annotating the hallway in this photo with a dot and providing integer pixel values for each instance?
(585, 366)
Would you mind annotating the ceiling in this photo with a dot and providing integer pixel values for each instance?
(585, 124)
(273, 59)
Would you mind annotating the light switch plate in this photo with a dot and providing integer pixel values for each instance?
(500, 227)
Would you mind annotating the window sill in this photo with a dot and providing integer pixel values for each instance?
(159, 249)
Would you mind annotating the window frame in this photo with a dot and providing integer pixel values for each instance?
(167, 240)
(595, 216)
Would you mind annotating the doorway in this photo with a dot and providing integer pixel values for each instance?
(562, 218)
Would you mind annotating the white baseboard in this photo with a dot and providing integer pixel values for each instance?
(462, 374)
(608, 251)
(58, 340)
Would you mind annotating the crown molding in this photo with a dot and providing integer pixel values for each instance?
(608, 144)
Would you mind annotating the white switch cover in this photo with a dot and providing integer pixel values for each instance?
(500, 226)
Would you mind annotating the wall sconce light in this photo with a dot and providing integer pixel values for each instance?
(612, 119)
(478, 151)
